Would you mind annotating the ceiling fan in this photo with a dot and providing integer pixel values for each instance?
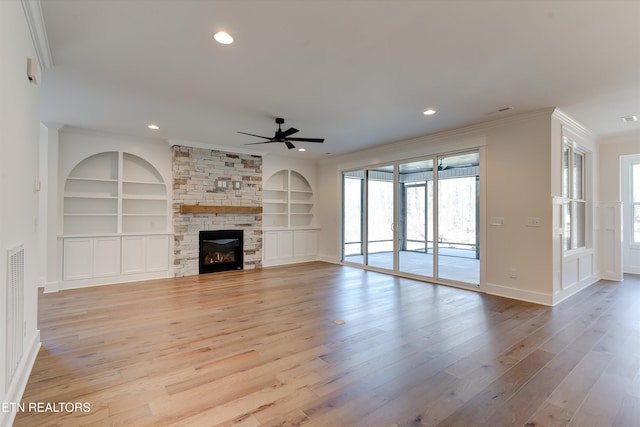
(282, 136)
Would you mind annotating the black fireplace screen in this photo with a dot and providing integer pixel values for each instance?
(220, 250)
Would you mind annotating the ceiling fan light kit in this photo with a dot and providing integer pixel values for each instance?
(282, 136)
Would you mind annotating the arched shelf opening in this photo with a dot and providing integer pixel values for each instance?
(287, 201)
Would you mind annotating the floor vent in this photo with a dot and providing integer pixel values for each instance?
(15, 310)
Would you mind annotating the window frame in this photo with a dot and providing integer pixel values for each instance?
(575, 196)
(634, 204)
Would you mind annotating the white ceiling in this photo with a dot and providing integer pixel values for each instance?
(358, 73)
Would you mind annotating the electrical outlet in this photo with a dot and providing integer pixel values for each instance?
(513, 273)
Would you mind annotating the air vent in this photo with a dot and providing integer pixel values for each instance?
(629, 119)
(503, 109)
(14, 327)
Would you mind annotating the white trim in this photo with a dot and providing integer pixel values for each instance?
(19, 382)
(574, 289)
(330, 259)
(518, 294)
(35, 20)
(112, 280)
(576, 127)
(289, 261)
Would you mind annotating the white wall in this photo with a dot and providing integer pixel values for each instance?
(19, 141)
(518, 184)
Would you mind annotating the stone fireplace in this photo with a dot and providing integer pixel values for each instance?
(229, 183)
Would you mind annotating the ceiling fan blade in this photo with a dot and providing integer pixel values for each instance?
(263, 142)
(307, 139)
(289, 131)
(289, 145)
(251, 134)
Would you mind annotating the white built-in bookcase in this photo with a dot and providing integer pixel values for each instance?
(115, 221)
(287, 200)
(290, 232)
(114, 193)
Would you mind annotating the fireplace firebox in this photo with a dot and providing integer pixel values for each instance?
(221, 250)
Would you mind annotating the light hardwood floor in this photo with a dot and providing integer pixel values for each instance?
(261, 348)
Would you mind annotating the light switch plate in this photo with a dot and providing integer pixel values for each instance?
(533, 221)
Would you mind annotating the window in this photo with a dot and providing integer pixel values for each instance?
(574, 194)
(635, 202)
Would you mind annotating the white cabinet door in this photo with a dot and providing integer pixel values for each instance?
(285, 244)
(133, 254)
(141, 254)
(278, 245)
(106, 256)
(270, 245)
(84, 258)
(77, 259)
(305, 243)
(157, 253)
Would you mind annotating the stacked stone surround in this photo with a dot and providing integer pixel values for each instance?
(195, 173)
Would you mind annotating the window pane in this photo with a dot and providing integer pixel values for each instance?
(352, 227)
(579, 213)
(636, 223)
(565, 172)
(566, 244)
(457, 203)
(636, 183)
(577, 176)
(415, 218)
(380, 214)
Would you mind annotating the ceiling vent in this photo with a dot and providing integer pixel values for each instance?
(629, 119)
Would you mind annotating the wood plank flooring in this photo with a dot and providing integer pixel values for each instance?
(261, 348)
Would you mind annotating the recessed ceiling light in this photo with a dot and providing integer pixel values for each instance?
(629, 119)
(223, 37)
(429, 112)
(302, 149)
(154, 127)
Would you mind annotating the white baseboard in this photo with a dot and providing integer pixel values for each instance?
(329, 259)
(288, 261)
(19, 382)
(612, 276)
(112, 280)
(519, 294)
(51, 286)
(572, 290)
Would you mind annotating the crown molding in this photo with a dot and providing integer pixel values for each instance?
(35, 20)
(574, 124)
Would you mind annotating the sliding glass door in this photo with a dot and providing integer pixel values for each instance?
(380, 213)
(457, 245)
(352, 216)
(415, 218)
(418, 218)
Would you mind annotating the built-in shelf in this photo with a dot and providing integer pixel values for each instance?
(288, 201)
(114, 192)
(220, 209)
